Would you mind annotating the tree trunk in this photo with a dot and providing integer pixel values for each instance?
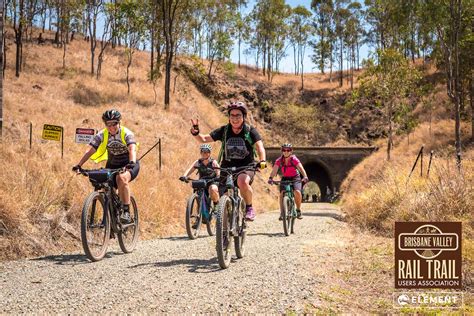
(18, 38)
(471, 95)
(239, 43)
(269, 66)
(64, 52)
(456, 13)
(152, 52)
(341, 64)
(2, 61)
(390, 142)
(130, 55)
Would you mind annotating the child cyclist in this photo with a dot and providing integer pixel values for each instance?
(291, 170)
(206, 170)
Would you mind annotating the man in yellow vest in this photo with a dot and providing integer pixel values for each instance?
(117, 145)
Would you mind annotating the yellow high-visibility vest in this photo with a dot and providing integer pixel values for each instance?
(101, 152)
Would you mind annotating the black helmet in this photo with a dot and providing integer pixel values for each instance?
(237, 106)
(111, 115)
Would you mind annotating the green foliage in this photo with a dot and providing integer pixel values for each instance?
(198, 65)
(391, 83)
(296, 120)
(229, 69)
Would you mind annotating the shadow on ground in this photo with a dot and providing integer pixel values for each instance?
(72, 259)
(336, 216)
(193, 265)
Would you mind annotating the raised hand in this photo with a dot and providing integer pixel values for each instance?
(195, 128)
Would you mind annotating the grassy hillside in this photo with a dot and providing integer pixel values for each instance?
(40, 197)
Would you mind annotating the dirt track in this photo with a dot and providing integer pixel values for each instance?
(278, 275)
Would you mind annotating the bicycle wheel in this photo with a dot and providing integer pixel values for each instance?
(211, 222)
(239, 241)
(95, 226)
(128, 236)
(193, 216)
(286, 215)
(223, 225)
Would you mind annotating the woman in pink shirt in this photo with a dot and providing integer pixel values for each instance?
(291, 169)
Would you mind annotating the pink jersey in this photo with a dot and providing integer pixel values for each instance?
(288, 170)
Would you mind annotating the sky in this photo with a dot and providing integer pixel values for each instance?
(287, 63)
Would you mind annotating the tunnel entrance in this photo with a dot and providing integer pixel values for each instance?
(319, 174)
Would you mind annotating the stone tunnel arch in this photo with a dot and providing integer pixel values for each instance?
(319, 173)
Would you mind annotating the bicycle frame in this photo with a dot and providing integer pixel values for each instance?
(289, 192)
(111, 198)
(291, 195)
(234, 194)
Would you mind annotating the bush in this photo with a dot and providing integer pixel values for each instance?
(296, 120)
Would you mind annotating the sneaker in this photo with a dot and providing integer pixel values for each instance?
(125, 217)
(298, 214)
(250, 214)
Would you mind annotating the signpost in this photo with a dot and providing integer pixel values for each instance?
(53, 132)
(84, 135)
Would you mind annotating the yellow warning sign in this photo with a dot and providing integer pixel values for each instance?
(52, 132)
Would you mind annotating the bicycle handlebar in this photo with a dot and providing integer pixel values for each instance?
(85, 172)
(285, 182)
(235, 170)
(187, 180)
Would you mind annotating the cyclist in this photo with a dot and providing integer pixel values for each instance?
(116, 144)
(239, 143)
(206, 170)
(291, 170)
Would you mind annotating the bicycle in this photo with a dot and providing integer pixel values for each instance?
(230, 218)
(289, 206)
(100, 218)
(198, 208)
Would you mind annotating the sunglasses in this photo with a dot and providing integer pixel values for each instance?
(286, 150)
(236, 116)
(110, 124)
(205, 151)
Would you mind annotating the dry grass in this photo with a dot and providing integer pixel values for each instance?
(378, 193)
(40, 198)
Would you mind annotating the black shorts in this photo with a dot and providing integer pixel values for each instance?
(133, 172)
(296, 186)
(222, 187)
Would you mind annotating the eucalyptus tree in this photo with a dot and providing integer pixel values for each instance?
(92, 9)
(242, 28)
(341, 15)
(17, 12)
(175, 15)
(107, 12)
(270, 31)
(353, 34)
(131, 27)
(453, 23)
(220, 27)
(323, 26)
(300, 29)
(69, 15)
(390, 83)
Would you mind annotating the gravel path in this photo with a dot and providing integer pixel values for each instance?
(177, 275)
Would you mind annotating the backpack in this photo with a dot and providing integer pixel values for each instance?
(246, 137)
